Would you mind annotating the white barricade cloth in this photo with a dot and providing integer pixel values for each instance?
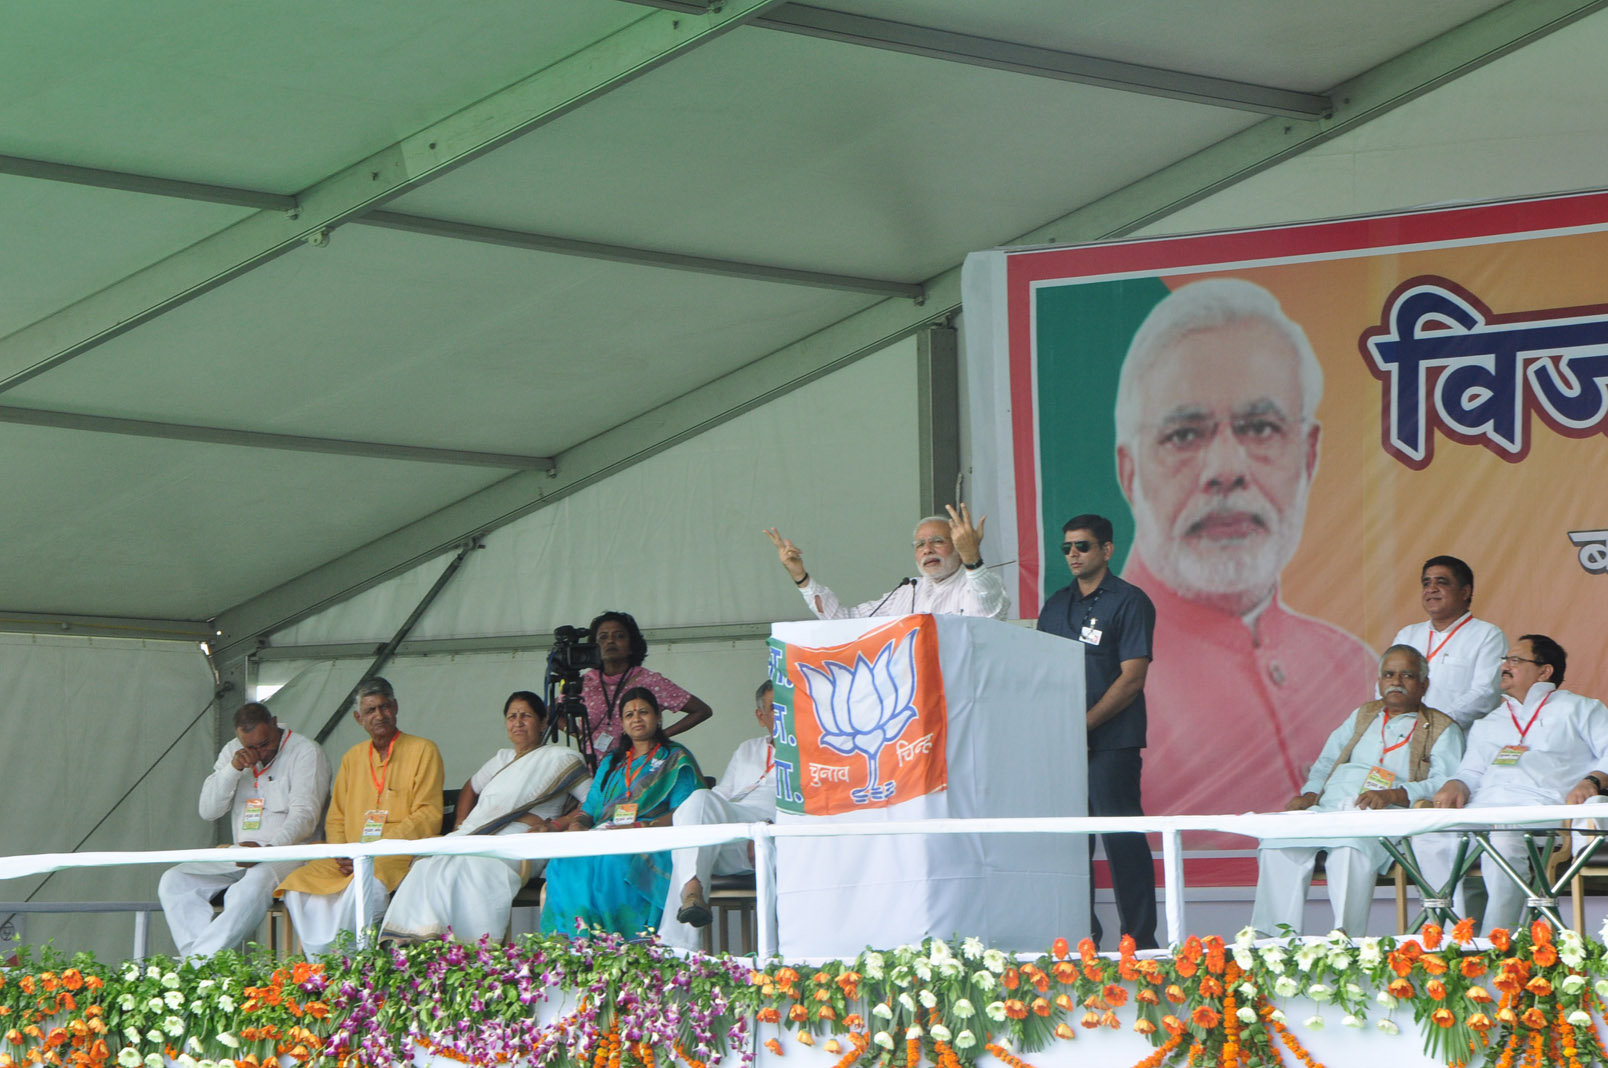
(924, 718)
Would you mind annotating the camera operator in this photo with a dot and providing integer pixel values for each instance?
(622, 648)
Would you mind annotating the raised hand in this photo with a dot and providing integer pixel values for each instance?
(791, 556)
(968, 540)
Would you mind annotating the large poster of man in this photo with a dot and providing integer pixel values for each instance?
(1284, 425)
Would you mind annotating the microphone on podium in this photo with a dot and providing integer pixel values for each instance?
(906, 581)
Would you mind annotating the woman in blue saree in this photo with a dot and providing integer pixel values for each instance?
(639, 783)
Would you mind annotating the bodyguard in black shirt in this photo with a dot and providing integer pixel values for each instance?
(1114, 621)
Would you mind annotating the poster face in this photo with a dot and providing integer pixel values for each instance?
(1284, 425)
(861, 725)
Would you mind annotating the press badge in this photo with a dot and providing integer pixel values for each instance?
(602, 742)
(373, 825)
(1379, 778)
(1509, 755)
(1090, 635)
(251, 818)
(624, 815)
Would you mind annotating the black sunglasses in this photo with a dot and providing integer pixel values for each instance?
(1080, 546)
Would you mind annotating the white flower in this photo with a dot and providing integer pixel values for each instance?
(1246, 936)
(1273, 957)
(127, 1057)
(907, 1001)
(913, 1032)
(1320, 993)
(1368, 952)
(1579, 1018)
(1354, 992)
(1314, 1023)
(1350, 1021)
(126, 1002)
(1277, 1016)
(984, 981)
(173, 1026)
(900, 975)
(226, 1003)
(174, 999)
(170, 981)
(1571, 950)
(153, 1060)
(971, 948)
(227, 1039)
(1388, 1027)
(1384, 998)
(994, 961)
(951, 969)
(131, 973)
(1339, 961)
(873, 966)
(156, 1036)
(204, 985)
(156, 1005)
(940, 952)
(963, 1009)
(928, 999)
(940, 1033)
(923, 970)
(153, 972)
(1601, 987)
(204, 1063)
(1285, 986)
(883, 1039)
(1308, 955)
(965, 1040)
(995, 1010)
(193, 1044)
(1338, 937)
(1246, 1014)
(132, 1035)
(184, 1060)
(882, 1010)
(1248, 991)
(1244, 957)
(1573, 984)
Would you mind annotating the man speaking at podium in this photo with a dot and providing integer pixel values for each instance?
(1114, 622)
(953, 579)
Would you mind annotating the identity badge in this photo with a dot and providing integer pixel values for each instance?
(251, 818)
(373, 825)
(1090, 634)
(625, 815)
(1379, 778)
(1509, 755)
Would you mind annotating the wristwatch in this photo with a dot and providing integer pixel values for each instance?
(973, 567)
(1602, 787)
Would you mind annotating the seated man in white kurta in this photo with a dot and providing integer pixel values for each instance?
(518, 791)
(1542, 746)
(746, 793)
(272, 783)
(1390, 753)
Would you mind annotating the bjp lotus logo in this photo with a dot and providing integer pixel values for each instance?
(863, 709)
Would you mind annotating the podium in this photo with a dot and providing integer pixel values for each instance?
(927, 717)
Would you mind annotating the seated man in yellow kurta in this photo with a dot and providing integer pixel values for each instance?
(388, 787)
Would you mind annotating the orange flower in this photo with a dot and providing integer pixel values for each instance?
(317, 1009)
(826, 1012)
(1185, 967)
(1539, 987)
(1507, 1017)
(1435, 989)
(1500, 939)
(1473, 967)
(1109, 1019)
(1126, 947)
(1544, 955)
(774, 1046)
(1041, 1007)
(798, 1013)
(1443, 1016)
(1093, 973)
(1173, 1024)
(14, 1037)
(1090, 1019)
(1401, 964)
(1144, 1027)
(849, 983)
(1541, 933)
(1480, 1022)
(1041, 982)
(72, 979)
(1087, 950)
(1400, 988)
(1431, 936)
(786, 977)
(26, 985)
(1065, 972)
(1210, 988)
(1015, 1009)
(1064, 1030)
(1411, 950)
(854, 1022)
(1176, 995)
(1116, 995)
(1060, 949)
(1011, 979)
(48, 981)
(1147, 995)
(1479, 994)
(769, 1015)
(1128, 969)
(1463, 931)
(1205, 1017)
(823, 995)
(1064, 1002)
(1433, 963)
(1534, 1018)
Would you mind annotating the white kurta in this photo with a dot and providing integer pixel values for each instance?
(473, 896)
(746, 793)
(1285, 865)
(1567, 738)
(964, 593)
(1465, 672)
(292, 791)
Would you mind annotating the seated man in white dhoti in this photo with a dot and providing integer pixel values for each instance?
(746, 793)
(1542, 746)
(1390, 753)
(519, 790)
(272, 783)
(388, 786)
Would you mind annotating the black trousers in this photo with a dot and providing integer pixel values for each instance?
(1114, 791)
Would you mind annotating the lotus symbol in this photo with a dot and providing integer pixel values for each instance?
(863, 709)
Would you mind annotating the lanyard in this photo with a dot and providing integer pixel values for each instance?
(619, 688)
(1392, 748)
(1526, 728)
(257, 772)
(385, 766)
(628, 774)
(1430, 648)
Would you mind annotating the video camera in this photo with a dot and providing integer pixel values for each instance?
(574, 651)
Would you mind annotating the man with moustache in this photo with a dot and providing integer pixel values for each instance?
(1217, 445)
(1464, 653)
(1542, 746)
(1390, 753)
(388, 786)
(953, 579)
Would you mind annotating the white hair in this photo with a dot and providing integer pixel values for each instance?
(1207, 305)
(930, 519)
(1416, 655)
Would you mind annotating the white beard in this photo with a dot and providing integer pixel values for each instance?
(1248, 571)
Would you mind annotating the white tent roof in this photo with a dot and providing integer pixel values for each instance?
(293, 296)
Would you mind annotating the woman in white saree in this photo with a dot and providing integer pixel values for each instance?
(517, 791)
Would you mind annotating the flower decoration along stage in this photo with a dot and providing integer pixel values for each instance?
(1519, 1000)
